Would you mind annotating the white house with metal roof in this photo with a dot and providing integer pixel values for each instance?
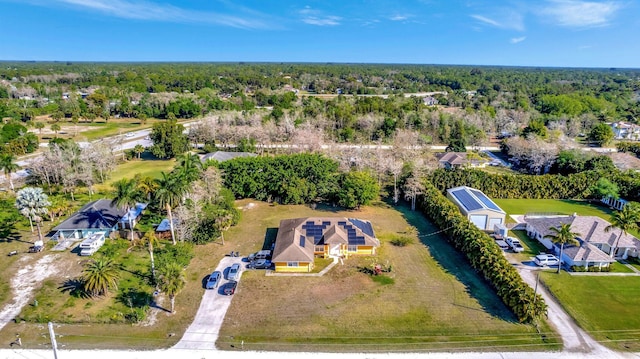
(477, 207)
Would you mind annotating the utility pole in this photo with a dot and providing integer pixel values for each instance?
(54, 345)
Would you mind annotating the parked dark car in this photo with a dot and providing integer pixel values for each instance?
(214, 280)
(230, 287)
(260, 264)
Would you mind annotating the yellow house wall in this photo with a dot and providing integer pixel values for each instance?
(302, 267)
(365, 250)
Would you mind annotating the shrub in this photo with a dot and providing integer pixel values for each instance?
(401, 241)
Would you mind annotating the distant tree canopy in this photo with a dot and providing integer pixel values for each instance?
(488, 100)
(168, 139)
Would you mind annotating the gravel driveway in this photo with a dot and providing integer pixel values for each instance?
(203, 332)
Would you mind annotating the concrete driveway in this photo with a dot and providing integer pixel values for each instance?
(203, 332)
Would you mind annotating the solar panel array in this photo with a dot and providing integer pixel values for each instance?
(484, 199)
(315, 231)
(352, 236)
(364, 226)
(467, 200)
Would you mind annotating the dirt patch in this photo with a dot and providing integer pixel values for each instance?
(24, 283)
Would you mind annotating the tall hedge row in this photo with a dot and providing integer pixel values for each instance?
(575, 186)
(517, 185)
(483, 254)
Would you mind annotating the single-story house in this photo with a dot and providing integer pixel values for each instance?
(477, 207)
(625, 131)
(451, 160)
(97, 216)
(595, 244)
(430, 101)
(300, 240)
(222, 156)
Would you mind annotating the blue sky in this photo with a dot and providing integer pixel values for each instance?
(572, 33)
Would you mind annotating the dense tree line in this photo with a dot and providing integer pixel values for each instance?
(297, 179)
(491, 99)
(484, 256)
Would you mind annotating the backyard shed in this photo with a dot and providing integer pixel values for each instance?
(477, 207)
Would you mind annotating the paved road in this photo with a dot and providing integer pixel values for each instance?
(203, 332)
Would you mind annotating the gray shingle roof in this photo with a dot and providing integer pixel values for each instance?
(592, 232)
(99, 214)
(290, 248)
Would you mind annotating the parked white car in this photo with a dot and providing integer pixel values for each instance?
(515, 244)
(543, 260)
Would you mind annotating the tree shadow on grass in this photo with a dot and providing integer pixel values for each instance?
(270, 238)
(454, 262)
(75, 287)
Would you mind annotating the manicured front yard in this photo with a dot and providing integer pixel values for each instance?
(433, 302)
(607, 307)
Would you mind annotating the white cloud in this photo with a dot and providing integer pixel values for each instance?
(398, 18)
(322, 21)
(315, 17)
(580, 14)
(516, 40)
(151, 11)
(509, 20)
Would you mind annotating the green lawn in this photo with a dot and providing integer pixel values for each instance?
(146, 167)
(607, 307)
(562, 206)
(431, 300)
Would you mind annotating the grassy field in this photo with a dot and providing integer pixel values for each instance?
(147, 166)
(562, 206)
(431, 300)
(607, 307)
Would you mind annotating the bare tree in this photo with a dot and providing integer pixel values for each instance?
(413, 187)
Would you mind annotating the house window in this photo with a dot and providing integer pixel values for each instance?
(292, 264)
(319, 249)
(352, 248)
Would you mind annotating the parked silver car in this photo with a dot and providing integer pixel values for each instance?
(234, 272)
(515, 244)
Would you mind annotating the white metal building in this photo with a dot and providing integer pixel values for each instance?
(477, 207)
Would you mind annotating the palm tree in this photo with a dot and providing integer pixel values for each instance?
(32, 202)
(562, 236)
(169, 194)
(138, 149)
(146, 185)
(99, 276)
(8, 165)
(189, 167)
(149, 240)
(171, 282)
(126, 196)
(627, 219)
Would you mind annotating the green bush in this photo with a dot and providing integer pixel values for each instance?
(401, 241)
